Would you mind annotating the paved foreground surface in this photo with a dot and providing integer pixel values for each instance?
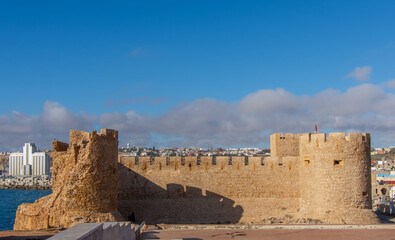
(339, 233)
(22, 235)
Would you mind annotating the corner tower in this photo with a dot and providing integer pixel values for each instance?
(335, 180)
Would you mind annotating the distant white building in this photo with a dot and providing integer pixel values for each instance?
(29, 162)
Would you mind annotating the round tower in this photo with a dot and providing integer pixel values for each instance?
(335, 180)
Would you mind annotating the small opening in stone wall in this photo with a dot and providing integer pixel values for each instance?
(307, 161)
(137, 161)
(363, 138)
(246, 160)
(76, 152)
(280, 164)
(365, 194)
(198, 161)
(182, 161)
(132, 218)
(338, 163)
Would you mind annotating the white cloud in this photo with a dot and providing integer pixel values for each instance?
(267, 100)
(132, 127)
(390, 84)
(360, 73)
(210, 123)
(54, 122)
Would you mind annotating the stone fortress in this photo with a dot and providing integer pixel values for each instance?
(309, 178)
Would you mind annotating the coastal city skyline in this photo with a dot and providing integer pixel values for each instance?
(203, 74)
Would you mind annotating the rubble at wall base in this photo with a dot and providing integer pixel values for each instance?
(30, 182)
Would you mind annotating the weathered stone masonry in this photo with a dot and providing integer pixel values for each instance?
(308, 178)
(85, 184)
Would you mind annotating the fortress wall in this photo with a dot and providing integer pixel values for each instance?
(335, 177)
(284, 144)
(309, 178)
(194, 190)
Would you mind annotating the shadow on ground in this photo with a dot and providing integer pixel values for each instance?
(385, 218)
(32, 237)
(152, 234)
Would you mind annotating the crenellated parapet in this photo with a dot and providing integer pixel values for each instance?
(284, 144)
(192, 160)
(351, 138)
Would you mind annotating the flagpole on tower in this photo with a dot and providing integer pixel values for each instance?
(316, 130)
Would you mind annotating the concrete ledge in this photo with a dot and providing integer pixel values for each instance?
(80, 231)
(99, 231)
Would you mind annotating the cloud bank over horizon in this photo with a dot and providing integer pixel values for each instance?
(210, 122)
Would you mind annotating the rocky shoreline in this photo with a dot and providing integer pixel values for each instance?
(31, 182)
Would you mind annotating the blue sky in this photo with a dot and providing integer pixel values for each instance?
(195, 73)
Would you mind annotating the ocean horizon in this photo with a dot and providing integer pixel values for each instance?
(10, 199)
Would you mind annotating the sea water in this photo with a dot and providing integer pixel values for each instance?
(10, 199)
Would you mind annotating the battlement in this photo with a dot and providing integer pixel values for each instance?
(78, 136)
(322, 139)
(109, 132)
(284, 144)
(191, 161)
